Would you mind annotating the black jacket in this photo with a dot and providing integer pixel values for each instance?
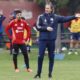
(50, 20)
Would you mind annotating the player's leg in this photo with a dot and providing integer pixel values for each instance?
(76, 43)
(15, 54)
(51, 49)
(76, 47)
(28, 48)
(26, 58)
(11, 48)
(42, 47)
(72, 43)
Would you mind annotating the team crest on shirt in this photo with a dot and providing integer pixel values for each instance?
(16, 31)
(45, 20)
(52, 20)
(22, 24)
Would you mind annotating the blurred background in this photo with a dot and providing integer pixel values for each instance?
(32, 8)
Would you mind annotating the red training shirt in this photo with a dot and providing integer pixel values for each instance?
(18, 27)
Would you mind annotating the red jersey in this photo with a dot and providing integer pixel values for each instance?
(18, 27)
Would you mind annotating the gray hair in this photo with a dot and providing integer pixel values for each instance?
(51, 5)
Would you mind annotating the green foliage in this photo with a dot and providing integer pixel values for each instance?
(73, 5)
(58, 3)
(61, 3)
(41, 2)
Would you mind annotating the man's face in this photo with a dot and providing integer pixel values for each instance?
(18, 16)
(48, 9)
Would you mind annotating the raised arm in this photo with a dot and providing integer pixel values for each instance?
(63, 19)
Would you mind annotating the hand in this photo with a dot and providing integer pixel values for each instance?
(23, 41)
(77, 15)
(69, 29)
(27, 42)
(49, 28)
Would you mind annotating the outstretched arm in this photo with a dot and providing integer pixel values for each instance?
(63, 19)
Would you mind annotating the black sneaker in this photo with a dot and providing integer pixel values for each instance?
(37, 76)
(50, 76)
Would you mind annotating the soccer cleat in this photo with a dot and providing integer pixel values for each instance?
(37, 76)
(29, 70)
(69, 53)
(76, 53)
(50, 76)
(17, 70)
(50, 79)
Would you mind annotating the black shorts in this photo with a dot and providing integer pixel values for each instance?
(75, 36)
(18, 47)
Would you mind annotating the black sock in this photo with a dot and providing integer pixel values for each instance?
(26, 60)
(15, 60)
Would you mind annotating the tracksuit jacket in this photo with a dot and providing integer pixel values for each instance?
(50, 20)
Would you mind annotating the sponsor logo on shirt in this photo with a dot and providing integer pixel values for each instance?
(18, 31)
(19, 27)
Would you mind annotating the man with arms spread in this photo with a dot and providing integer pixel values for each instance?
(47, 24)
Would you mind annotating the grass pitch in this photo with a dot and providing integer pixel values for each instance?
(67, 69)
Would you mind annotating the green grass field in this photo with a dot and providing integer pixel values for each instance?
(67, 69)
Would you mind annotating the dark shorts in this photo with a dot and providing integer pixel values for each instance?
(75, 36)
(18, 47)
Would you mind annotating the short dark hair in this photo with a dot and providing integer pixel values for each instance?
(18, 11)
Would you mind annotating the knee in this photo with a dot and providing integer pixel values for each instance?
(14, 56)
(25, 55)
(40, 56)
(51, 57)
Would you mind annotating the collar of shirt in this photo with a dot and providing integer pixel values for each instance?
(49, 14)
(16, 20)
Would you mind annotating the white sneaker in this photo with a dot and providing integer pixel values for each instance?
(50, 78)
(76, 53)
(69, 53)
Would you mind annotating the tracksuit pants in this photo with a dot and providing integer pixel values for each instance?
(50, 45)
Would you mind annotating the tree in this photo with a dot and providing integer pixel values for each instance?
(73, 5)
(60, 3)
(41, 3)
(57, 3)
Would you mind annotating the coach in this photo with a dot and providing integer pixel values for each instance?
(47, 25)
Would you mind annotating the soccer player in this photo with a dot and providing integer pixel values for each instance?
(18, 25)
(47, 26)
(75, 35)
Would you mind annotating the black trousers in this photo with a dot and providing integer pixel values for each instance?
(23, 49)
